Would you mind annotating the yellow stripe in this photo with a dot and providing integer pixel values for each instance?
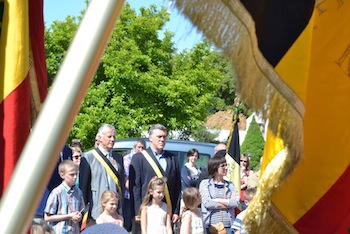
(85, 216)
(108, 169)
(14, 46)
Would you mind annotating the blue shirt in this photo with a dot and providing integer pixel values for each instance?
(160, 158)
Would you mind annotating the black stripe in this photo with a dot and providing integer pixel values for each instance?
(279, 24)
(233, 145)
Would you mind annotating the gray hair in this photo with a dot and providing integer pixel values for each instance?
(105, 127)
(140, 140)
(157, 126)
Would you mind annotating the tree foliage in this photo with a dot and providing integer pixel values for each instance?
(58, 37)
(253, 144)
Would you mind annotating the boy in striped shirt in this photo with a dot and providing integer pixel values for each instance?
(238, 224)
(65, 203)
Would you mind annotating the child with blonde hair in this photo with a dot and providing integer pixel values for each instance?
(191, 221)
(109, 207)
(65, 203)
(155, 214)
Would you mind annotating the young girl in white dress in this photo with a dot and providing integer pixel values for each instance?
(191, 221)
(109, 202)
(155, 214)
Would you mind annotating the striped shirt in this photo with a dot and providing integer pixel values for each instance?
(238, 224)
(64, 200)
(211, 213)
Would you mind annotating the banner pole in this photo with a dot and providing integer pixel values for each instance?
(39, 156)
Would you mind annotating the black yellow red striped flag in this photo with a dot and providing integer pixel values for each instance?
(23, 77)
(301, 84)
(85, 217)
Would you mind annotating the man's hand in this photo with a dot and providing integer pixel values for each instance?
(175, 218)
(137, 218)
(127, 183)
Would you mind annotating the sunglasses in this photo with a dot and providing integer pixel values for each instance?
(76, 156)
(244, 161)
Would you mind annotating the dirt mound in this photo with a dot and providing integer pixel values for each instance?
(220, 120)
(223, 120)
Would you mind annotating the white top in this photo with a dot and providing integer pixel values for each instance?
(197, 226)
(156, 219)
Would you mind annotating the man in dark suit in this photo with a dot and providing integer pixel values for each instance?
(94, 178)
(141, 172)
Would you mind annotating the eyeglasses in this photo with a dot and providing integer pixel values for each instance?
(76, 156)
(244, 161)
(223, 165)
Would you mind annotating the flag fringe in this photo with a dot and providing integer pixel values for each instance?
(35, 103)
(230, 27)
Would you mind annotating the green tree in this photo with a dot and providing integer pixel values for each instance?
(202, 134)
(253, 144)
(58, 37)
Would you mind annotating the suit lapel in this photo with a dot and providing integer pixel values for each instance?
(168, 162)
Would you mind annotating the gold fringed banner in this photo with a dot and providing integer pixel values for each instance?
(230, 27)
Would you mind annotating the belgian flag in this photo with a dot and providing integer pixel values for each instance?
(85, 214)
(291, 60)
(23, 78)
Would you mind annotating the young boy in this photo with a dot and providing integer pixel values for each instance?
(66, 201)
(238, 225)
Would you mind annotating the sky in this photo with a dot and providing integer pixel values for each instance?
(185, 35)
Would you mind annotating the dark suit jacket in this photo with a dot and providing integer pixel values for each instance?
(141, 172)
(55, 180)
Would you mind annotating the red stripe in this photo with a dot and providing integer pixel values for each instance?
(36, 30)
(331, 214)
(15, 128)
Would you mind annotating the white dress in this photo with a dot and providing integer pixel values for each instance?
(156, 219)
(196, 222)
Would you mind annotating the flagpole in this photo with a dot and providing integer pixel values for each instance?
(40, 153)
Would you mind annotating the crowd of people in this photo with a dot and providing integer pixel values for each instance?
(144, 191)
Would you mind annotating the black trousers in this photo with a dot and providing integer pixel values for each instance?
(127, 214)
